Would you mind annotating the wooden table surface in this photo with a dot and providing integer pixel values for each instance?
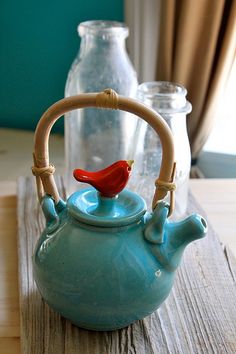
(217, 197)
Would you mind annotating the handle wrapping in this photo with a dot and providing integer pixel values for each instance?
(43, 170)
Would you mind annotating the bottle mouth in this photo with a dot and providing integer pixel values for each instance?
(103, 28)
(165, 96)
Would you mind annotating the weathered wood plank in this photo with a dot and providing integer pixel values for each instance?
(198, 317)
(9, 303)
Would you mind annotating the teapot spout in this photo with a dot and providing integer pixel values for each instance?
(179, 235)
(169, 239)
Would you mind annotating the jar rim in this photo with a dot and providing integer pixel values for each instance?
(103, 28)
(162, 89)
(168, 97)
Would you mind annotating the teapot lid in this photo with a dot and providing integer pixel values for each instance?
(90, 207)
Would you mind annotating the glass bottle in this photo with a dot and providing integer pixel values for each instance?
(95, 138)
(168, 99)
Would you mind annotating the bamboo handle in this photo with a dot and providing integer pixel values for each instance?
(107, 99)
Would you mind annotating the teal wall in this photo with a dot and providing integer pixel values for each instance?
(38, 41)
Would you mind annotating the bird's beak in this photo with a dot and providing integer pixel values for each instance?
(130, 163)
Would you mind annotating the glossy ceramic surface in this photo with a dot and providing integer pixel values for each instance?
(108, 274)
(110, 181)
(89, 207)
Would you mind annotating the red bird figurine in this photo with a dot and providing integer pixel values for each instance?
(110, 181)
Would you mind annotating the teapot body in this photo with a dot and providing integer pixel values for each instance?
(102, 261)
(101, 278)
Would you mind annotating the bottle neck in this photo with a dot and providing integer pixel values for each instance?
(102, 35)
(89, 42)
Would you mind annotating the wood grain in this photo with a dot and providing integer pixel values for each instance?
(9, 305)
(198, 317)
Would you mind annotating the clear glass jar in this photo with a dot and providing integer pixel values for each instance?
(95, 138)
(168, 99)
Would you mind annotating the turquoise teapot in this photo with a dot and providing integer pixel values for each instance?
(102, 260)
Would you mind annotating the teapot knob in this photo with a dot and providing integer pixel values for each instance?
(110, 181)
